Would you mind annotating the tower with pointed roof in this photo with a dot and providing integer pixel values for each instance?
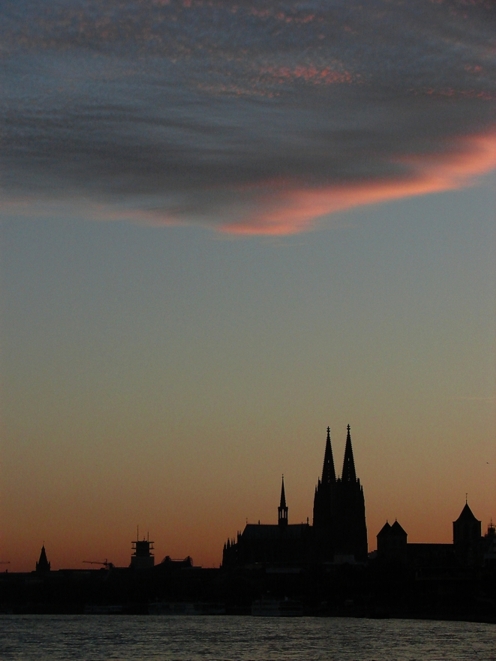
(282, 510)
(43, 566)
(339, 510)
(392, 544)
(467, 534)
(351, 527)
(324, 506)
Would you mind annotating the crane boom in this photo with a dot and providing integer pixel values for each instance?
(105, 563)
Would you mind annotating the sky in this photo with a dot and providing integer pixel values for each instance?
(223, 227)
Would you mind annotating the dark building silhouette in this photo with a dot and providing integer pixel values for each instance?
(467, 534)
(281, 545)
(339, 510)
(317, 569)
(142, 557)
(467, 550)
(43, 566)
(489, 546)
(392, 543)
(338, 534)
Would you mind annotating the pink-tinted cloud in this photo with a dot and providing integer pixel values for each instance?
(298, 210)
(248, 117)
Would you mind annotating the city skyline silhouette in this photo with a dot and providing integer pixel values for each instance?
(224, 227)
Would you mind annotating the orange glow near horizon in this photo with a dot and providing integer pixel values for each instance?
(224, 227)
(203, 540)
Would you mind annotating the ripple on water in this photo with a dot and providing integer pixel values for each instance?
(183, 638)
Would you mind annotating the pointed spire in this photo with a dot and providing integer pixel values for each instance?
(349, 474)
(328, 472)
(43, 565)
(282, 510)
(283, 494)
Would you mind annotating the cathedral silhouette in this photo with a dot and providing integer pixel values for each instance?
(339, 510)
(338, 534)
(318, 568)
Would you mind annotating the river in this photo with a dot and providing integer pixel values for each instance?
(227, 638)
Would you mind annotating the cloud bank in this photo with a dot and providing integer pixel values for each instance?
(249, 117)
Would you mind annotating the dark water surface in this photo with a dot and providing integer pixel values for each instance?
(182, 638)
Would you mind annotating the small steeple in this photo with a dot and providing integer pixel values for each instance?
(43, 566)
(282, 510)
(328, 472)
(349, 473)
(282, 504)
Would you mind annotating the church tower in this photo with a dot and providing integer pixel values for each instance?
(351, 529)
(324, 491)
(467, 534)
(282, 510)
(324, 507)
(43, 566)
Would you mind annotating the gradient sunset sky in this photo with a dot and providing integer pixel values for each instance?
(224, 227)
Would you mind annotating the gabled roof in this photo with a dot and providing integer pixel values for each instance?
(385, 530)
(396, 529)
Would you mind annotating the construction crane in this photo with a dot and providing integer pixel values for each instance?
(105, 563)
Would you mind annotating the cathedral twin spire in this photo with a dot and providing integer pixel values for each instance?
(328, 472)
(339, 510)
(338, 534)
